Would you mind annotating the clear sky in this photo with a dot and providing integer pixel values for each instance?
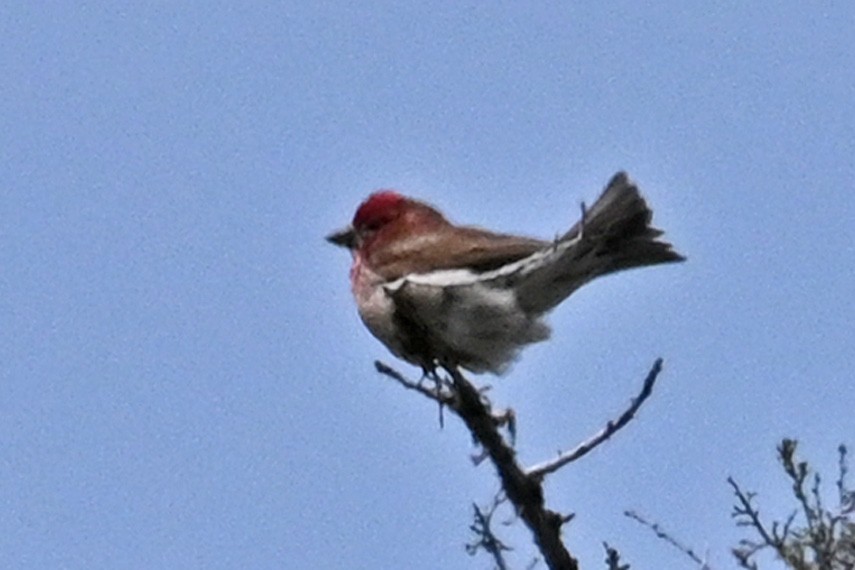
(186, 383)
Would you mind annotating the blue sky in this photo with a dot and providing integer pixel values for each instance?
(186, 381)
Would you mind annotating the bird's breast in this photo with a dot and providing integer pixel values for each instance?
(376, 307)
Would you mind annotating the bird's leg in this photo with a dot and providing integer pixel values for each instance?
(582, 222)
(426, 373)
(429, 371)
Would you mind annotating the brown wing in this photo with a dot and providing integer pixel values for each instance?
(452, 248)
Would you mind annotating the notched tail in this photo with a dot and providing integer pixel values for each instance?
(616, 234)
(618, 228)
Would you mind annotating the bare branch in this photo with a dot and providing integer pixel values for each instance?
(525, 492)
(524, 489)
(540, 470)
(749, 515)
(667, 537)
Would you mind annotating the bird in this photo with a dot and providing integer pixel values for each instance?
(440, 294)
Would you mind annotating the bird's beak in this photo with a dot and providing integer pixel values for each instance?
(345, 237)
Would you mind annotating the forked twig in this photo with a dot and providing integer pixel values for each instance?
(522, 487)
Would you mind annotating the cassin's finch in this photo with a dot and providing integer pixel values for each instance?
(440, 294)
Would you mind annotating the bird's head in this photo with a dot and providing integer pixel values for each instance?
(384, 211)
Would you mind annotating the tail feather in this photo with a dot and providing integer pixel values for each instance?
(615, 234)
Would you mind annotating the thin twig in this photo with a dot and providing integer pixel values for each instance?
(747, 511)
(798, 472)
(746, 514)
(613, 558)
(845, 495)
(540, 470)
(486, 539)
(823, 543)
(667, 537)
